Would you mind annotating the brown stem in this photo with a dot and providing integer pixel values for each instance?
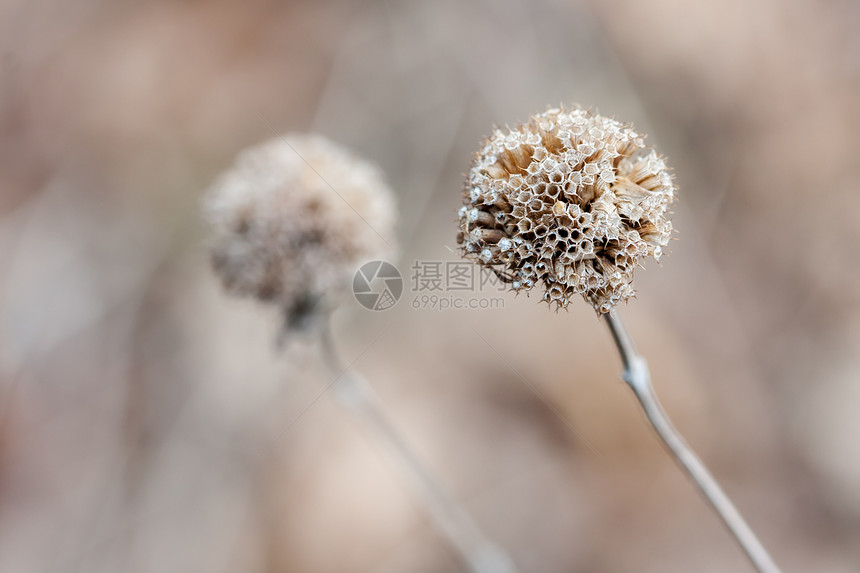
(638, 377)
(479, 553)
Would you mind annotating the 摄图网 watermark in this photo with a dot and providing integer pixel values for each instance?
(433, 285)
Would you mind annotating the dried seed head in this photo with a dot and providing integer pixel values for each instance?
(580, 195)
(293, 219)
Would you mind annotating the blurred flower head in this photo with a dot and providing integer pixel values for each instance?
(293, 219)
(571, 202)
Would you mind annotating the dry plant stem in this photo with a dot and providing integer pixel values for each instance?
(638, 377)
(478, 552)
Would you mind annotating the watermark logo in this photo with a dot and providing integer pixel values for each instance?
(434, 285)
(377, 285)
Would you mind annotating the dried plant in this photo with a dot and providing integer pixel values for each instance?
(291, 222)
(573, 201)
(569, 201)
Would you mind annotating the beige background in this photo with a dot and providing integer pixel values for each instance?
(149, 425)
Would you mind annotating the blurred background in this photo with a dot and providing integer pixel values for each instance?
(148, 423)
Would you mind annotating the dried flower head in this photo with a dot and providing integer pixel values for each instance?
(293, 219)
(570, 200)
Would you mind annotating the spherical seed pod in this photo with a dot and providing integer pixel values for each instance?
(586, 195)
(293, 219)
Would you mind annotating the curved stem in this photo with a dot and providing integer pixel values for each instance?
(478, 552)
(638, 377)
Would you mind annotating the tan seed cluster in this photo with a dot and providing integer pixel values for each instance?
(293, 219)
(571, 202)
